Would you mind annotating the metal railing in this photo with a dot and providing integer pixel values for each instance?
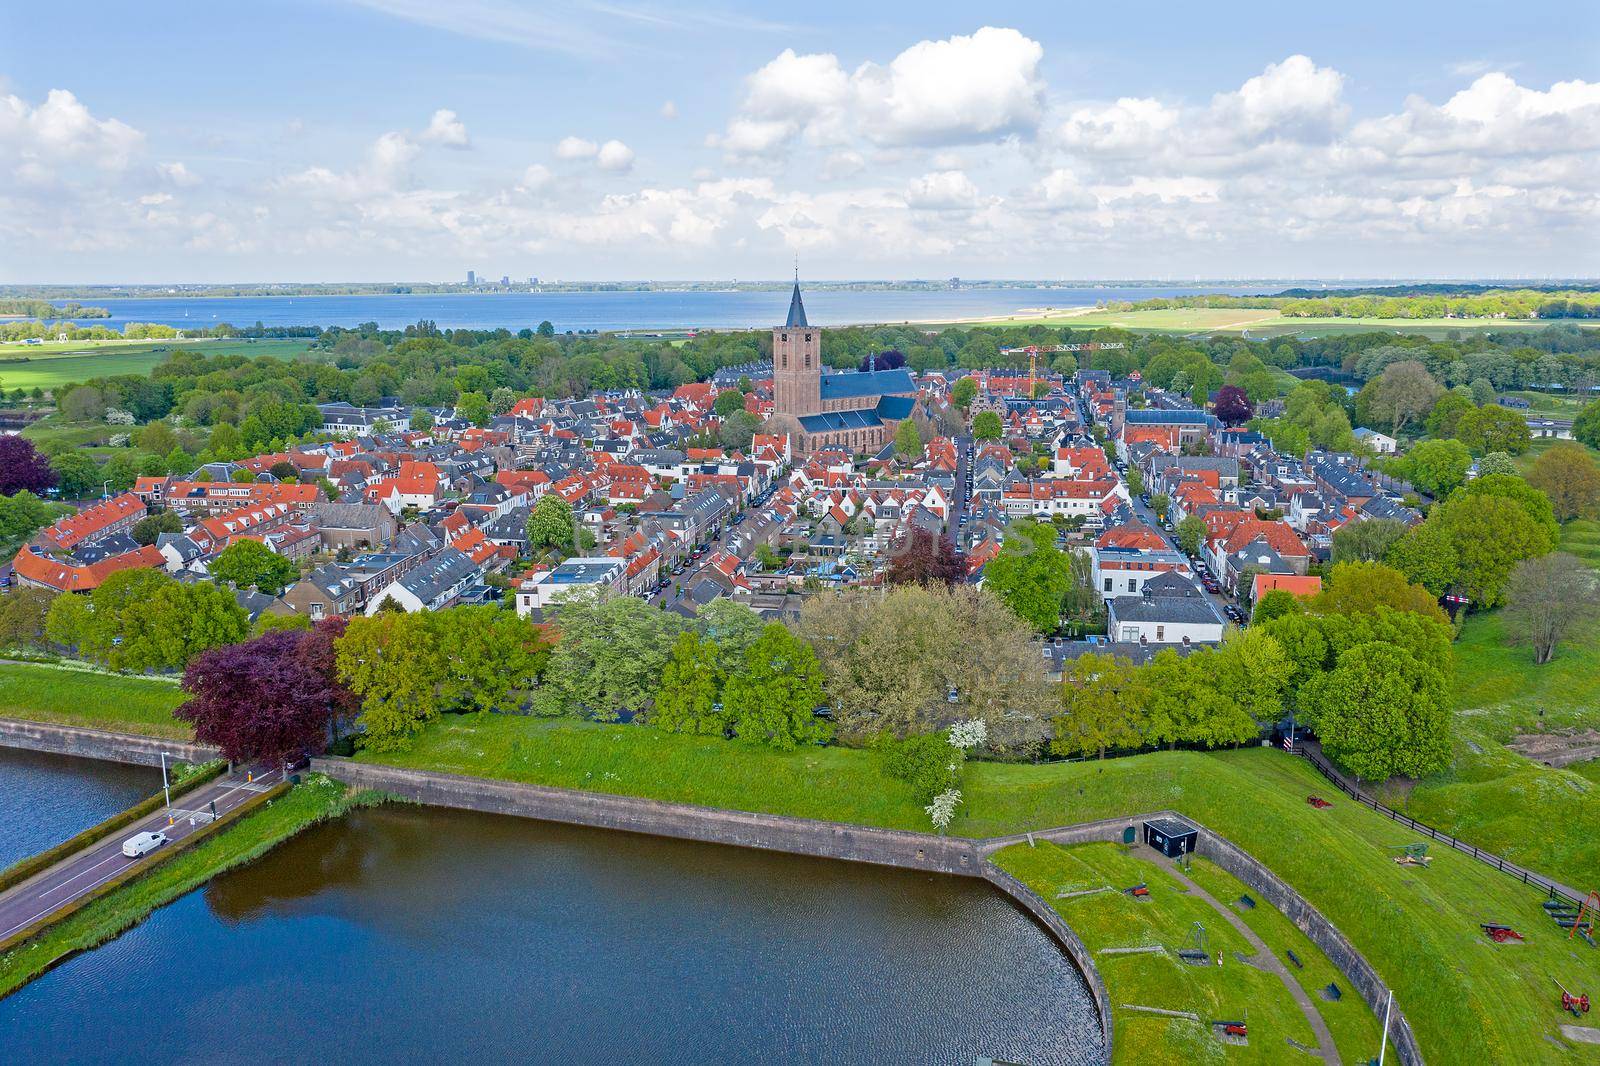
(1521, 873)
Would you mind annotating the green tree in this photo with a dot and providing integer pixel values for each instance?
(68, 621)
(550, 523)
(963, 392)
(1497, 463)
(727, 402)
(738, 431)
(1404, 393)
(251, 564)
(1191, 531)
(610, 656)
(1550, 599)
(1435, 467)
(1493, 429)
(474, 407)
(1471, 543)
(1569, 476)
(1447, 413)
(1361, 587)
(986, 426)
(774, 699)
(1102, 704)
(1586, 425)
(1031, 576)
(1382, 713)
(1159, 504)
(23, 618)
(389, 663)
(686, 702)
(1529, 498)
(1367, 541)
(422, 420)
(731, 628)
(1274, 603)
(491, 657)
(907, 441)
(77, 476)
(925, 761)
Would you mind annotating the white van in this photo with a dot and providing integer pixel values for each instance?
(142, 844)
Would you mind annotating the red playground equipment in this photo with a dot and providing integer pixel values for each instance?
(1589, 907)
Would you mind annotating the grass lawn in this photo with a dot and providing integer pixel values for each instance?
(1230, 991)
(1544, 818)
(252, 836)
(1466, 998)
(47, 366)
(65, 696)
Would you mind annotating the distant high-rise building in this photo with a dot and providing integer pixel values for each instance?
(505, 281)
(533, 281)
(472, 277)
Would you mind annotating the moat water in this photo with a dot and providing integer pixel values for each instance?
(45, 799)
(413, 934)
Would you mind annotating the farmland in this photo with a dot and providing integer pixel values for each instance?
(1252, 322)
(48, 366)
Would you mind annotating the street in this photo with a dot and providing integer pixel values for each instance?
(77, 875)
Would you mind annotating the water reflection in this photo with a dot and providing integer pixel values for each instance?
(410, 933)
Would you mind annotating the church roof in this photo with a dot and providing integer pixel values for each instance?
(863, 383)
(829, 421)
(896, 407)
(797, 310)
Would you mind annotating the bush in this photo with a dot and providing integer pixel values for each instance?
(927, 762)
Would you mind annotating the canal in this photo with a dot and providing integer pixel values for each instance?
(405, 934)
(45, 799)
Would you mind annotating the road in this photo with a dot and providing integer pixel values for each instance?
(1151, 519)
(77, 875)
(958, 506)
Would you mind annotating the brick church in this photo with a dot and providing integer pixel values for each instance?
(854, 410)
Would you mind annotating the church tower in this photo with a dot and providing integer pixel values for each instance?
(797, 362)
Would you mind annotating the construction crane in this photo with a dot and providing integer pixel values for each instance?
(1032, 351)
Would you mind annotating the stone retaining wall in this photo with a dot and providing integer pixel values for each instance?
(99, 744)
(1323, 933)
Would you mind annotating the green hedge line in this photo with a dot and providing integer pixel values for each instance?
(23, 869)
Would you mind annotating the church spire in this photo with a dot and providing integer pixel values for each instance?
(797, 310)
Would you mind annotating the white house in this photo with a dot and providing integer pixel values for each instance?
(539, 591)
(1171, 609)
(1380, 443)
(436, 584)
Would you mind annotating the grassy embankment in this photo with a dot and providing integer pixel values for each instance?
(65, 696)
(1233, 990)
(1466, 998)
(253, 835)
(46, 366)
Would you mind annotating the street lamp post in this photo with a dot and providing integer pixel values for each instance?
(164, 787)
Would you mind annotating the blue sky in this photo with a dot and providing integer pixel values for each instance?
(412, 139)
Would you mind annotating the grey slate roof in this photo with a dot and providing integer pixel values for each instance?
(797, 311)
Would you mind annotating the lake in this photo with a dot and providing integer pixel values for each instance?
(45, 799)
(413, 934)
(616, 310)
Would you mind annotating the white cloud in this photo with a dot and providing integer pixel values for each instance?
(536, 177)
(669, 110)
(1128, 127)
(1493, 116)
(945, 190)
(576, 148)
(446, 129)
(963, 90)
(614, 156)
(177, 174)
(1293, 100)
(62, 130)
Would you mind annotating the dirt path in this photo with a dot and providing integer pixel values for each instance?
(1264, 960)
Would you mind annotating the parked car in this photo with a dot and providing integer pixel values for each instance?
(142, 844)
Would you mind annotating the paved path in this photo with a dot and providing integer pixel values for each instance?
(1264, 958)
(76, 876)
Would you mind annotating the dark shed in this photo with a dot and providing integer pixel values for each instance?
(1170, 836)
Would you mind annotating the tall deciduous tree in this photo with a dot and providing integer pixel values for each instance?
(986, 426)
(907, 441)
(251, 564)
(925, 558)
(1401, 395)
(686, 702)
(390, 663)
(259, 699)
(23, 469)
(550, 522)
(1382, 712)
(608, 658)
(1233, 407)
(1568, 475)
(774, 699)
(963, 392)
(1493, 429)
(1031, 575)
(1368, 541)
(1102, 701)
(1549, 599)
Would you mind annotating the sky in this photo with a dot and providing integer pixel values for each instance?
(365, 140)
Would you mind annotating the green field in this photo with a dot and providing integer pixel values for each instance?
(1257, 322)
(50, 365)
(1234, 990)
(65, 696)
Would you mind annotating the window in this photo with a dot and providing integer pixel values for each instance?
(1108, 584)
(1133, 584)
(316, 612)
(1161, 632)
